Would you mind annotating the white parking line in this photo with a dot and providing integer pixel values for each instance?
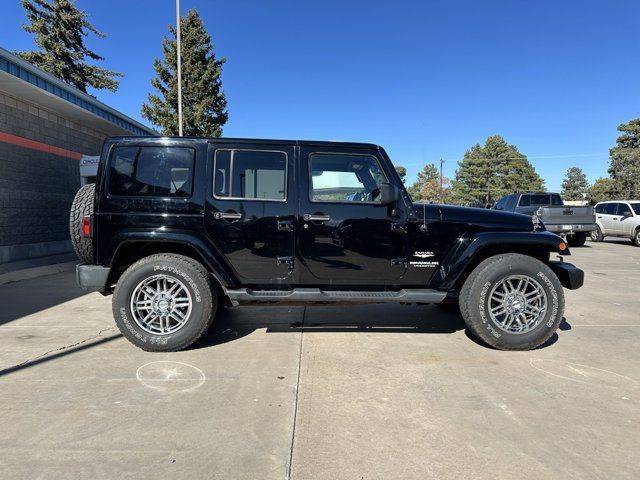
(618, 325)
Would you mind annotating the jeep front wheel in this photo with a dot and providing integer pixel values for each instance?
(512, 302)
(164, 302)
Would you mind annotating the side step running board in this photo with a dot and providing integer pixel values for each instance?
(309, 295)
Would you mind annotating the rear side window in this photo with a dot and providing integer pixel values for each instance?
(250, 175)
(610, 208)
(600, 208)
(623, 209)
(151, 171)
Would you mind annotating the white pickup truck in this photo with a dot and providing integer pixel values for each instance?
(573, 222)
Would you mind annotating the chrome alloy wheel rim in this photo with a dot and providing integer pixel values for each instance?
(161, 304)
(517, 304)
(595, 234)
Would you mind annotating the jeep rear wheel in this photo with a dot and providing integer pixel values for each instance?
(81, 206)
(512, 302)
(164, 302)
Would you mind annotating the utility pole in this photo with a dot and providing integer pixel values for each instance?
(179, 69)
(441, 183)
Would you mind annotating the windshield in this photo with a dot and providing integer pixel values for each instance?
(636, 208)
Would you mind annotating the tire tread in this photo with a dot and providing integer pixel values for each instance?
(81, 206)
(208, 293)
(486, 268)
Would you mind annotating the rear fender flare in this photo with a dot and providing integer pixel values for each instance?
(212, 259)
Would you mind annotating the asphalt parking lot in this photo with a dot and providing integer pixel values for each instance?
(367, 392)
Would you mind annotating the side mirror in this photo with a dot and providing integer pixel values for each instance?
(389, 193)
(626, 214)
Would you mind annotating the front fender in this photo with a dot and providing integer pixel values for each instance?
(469, 248)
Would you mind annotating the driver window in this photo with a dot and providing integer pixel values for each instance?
(345, 178)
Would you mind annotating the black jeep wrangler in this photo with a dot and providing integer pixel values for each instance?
(177, 227)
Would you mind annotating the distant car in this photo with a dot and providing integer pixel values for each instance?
(573, 222)
(618, 218)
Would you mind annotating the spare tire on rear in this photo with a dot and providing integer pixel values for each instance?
(81, 206)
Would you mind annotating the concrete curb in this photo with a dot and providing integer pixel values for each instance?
(34, 272)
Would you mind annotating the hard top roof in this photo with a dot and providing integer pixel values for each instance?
(254, 141)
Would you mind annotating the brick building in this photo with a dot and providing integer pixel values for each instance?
(46, 126)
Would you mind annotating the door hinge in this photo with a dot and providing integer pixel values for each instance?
(399, 227)
(399, 262)
(285, 261)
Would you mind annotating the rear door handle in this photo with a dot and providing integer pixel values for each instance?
(309, 217)
(285, 225)
(227, 215)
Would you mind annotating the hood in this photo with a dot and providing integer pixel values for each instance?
(477, 216)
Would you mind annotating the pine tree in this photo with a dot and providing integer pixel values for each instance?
(402, 172)
(204, 102)
(625, 161)
(601, 190)
(486, 173)
(60, 28)
(427, 188)
(575, 184)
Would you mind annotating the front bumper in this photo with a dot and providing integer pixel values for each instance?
(571, 228)
(92, 277)
(570, 276)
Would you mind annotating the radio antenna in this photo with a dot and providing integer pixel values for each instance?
(424, 217)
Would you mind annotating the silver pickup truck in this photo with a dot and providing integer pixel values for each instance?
(575, 223)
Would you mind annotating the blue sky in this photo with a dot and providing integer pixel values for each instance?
(425, 79)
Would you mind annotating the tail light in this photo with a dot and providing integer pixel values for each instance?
(86, 227)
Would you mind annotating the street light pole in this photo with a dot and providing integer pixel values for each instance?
(179, 69)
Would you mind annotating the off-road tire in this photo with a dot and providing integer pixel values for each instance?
(596, 235)
(81, 206)
(577, 239)
(636, 237)
(192, 275)
(474, 301)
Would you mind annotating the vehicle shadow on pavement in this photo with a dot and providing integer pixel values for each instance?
(27, 297)
(57, 353)
(234, 323)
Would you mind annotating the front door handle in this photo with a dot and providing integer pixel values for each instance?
(227, 216)
(312, 217)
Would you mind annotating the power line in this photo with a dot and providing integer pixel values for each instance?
(528, 157)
